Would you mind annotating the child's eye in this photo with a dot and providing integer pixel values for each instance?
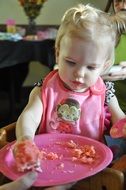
(91, 68)
(70, 62)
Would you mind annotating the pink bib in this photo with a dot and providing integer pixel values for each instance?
(65, 111)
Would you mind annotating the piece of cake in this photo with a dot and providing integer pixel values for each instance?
(27, 156)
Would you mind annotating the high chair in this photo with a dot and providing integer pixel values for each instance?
(108, 179)
(7, 134)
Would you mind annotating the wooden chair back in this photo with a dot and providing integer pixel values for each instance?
(108, 179)
(7, 134)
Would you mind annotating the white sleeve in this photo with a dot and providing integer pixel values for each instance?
(30, 118)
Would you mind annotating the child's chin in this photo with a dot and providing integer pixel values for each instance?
(79, 90)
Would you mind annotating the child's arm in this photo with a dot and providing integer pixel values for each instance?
(26, 127)
(118, 128)
(30, 118)
(115, 110)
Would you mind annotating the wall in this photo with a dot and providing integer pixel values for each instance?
(51, 13)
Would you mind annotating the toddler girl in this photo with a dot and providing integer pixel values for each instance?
(72, 98)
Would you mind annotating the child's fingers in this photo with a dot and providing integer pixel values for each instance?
(119, 129)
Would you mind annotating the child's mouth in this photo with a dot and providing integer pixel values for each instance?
(77, 83)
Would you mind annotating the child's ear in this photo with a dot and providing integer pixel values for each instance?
(57, 55)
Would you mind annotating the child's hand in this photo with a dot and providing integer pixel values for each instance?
(27, 156)
(23, 183)
(119, 129)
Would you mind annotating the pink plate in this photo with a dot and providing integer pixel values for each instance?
(53, 173)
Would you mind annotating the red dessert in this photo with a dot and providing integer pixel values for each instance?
(85, 154)
(27, 156)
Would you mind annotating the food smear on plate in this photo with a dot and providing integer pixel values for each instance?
(29, 157)
(83, 153)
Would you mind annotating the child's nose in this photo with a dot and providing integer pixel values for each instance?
(79, 73)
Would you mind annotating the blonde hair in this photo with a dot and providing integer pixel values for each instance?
(87, 22)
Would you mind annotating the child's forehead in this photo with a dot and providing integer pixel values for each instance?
(77, 45)
(80, 36)
(91, 31)
(77, 48)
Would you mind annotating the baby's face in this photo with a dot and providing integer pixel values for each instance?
(80, 62)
